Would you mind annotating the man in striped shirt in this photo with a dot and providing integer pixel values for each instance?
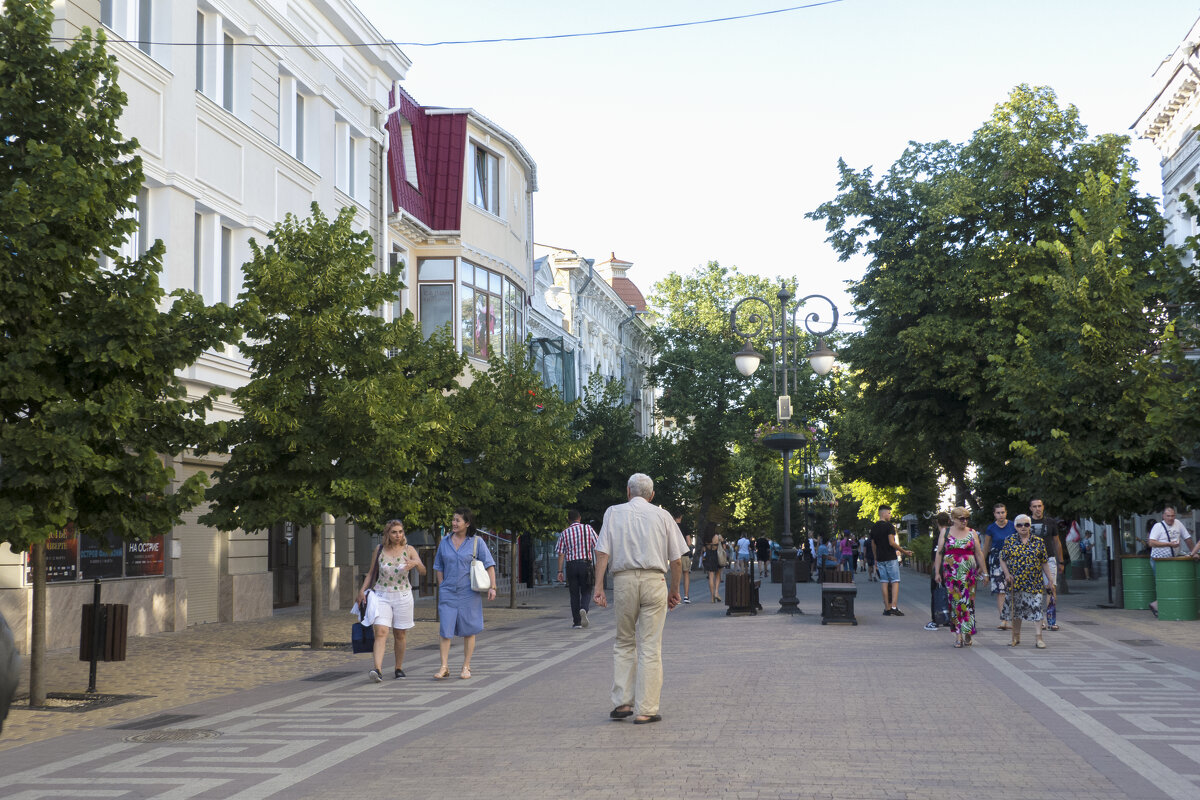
(575, 546)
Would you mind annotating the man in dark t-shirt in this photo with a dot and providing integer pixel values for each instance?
(885, 547)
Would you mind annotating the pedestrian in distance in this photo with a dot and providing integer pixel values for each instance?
(855, 551)
(847, 552)
(1167, 539)
(939, 599)
(1085, 553)
(886, 549)
(460, 608)
(686, 560)
(743, 552)
(389, 578)
(762, 552)
(713, 547)
(959, 563)
(575, 547)
(643, 546)
(1024, 562)
(868, 559)
(1046, 529)
(994, 537)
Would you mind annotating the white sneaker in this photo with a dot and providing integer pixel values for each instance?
(376, 676)
(583, 620)
(931, 626)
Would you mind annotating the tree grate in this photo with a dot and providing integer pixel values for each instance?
(160, 721)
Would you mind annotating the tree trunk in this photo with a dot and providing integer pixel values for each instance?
(317, 590)
(513, 562)
(37, 633)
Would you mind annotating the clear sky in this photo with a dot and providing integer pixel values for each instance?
(675, 147)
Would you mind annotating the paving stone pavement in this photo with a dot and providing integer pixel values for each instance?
(754, 707)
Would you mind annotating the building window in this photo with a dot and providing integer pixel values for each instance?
(490, 315)
(131, 20)
(219, 65)
(398, 266)
(485, 183)
(294, 120)
(410, 154)
(226, 266)
(435, 294)
(215, 271)
(299, 127)
(351, 161)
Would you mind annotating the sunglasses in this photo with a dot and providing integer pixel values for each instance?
(1022, 524)
(962, 519)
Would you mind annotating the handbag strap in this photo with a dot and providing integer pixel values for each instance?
(373, 575)
(474, 547)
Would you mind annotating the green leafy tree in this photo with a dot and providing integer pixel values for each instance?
(1104, 403)
(713, 406)
(90, 399)
(515, 460)
(952, 234)
(616, 452)
(344, 412)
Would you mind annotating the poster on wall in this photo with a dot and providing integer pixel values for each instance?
(100, 556)
(143, 559)
(62, 554)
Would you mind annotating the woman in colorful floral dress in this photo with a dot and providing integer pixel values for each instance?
(959, 555)
(1023, 560)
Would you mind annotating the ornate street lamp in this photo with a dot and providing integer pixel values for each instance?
(785, 341)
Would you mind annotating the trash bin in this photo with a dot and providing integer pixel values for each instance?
(1138, 580)
(1175, 583)
(114, 628)
(1198, 589)
(776, 571)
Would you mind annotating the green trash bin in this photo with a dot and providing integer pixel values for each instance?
(1138, 581)
(1175, 581)
(1197, 588)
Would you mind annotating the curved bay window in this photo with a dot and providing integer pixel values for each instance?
(490, 306)
(489, 312)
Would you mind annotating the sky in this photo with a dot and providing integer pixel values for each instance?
(672, 148)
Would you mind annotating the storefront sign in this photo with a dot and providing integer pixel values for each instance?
(100, 556)
(143, 559)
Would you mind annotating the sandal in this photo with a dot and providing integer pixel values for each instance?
(1014, 643)
(1052, 628)
(444, 672)
(958, 642)
(1040, 645)
(466, 673)
(1002, 628)
(968, 641)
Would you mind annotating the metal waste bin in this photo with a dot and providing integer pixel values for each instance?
(1138, 580)
(112, 635)
(1175, 583)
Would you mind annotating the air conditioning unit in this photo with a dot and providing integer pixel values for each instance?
(784, 408)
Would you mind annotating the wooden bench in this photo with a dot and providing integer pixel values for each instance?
(837, 599)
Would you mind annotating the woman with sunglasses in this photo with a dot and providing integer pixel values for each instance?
(1024, 562)
(389, 577)
(957, 564)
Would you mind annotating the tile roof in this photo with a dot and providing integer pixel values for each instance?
(629, 293)
(439, 142)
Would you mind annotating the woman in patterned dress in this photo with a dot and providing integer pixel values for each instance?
(959, 555)
(389, 577)
(1024, 562)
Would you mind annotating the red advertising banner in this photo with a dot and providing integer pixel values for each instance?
(143, 559)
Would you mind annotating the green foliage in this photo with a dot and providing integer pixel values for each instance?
(515, 460)
(1098, 390)
(344, 412)
(90, 401)
(966, 281)
(616, 452)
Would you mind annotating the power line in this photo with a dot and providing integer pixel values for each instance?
(545, 37)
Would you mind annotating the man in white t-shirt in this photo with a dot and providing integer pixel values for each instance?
(1166, 540)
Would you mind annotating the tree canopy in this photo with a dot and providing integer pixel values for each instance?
(972, 288)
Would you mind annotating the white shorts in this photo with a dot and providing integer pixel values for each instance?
(1052, 568)
(395, 610)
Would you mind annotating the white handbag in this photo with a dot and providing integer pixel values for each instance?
(480, 580)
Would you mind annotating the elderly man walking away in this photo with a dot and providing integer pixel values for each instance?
(643, 545)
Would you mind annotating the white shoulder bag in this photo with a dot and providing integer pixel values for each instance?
(480, 580)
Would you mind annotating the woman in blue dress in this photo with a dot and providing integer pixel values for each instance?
(460, 608)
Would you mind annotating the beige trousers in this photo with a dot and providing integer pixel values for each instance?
(640, 596)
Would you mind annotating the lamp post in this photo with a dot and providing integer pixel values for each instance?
(785, 377)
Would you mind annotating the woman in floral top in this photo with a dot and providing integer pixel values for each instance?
(393, 560)
(959, 555)
(1023, 560)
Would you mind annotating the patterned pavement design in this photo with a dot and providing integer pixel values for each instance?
(268, 747)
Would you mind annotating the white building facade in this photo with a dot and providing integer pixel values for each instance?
(242, 116)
